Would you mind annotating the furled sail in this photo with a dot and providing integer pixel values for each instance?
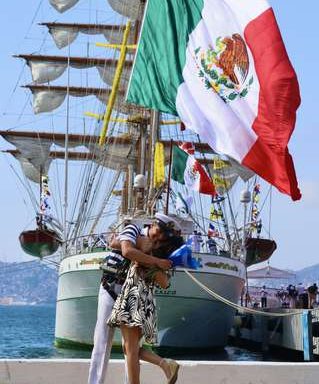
(107, 74)
(48, 98)
(133, 9)
(63, 34)
(117, 154)
(116, 159)
(63, 5)
(35, 154)
(45, 69)
(29, 170)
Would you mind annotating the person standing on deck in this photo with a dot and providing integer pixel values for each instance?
(292, 295)
(302, 296)
(196, 239)
(264, 295)
(312, 294)
(282, 294)
(212, 246)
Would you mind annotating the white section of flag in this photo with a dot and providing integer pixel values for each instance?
(199, 107)
(191, 177)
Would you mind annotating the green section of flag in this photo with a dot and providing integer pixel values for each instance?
(179, 161)
(161, 55)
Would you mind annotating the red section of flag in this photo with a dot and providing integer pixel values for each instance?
(206, 185)
(278, 101)
(188, 147)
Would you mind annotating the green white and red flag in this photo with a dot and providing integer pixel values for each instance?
(222, 66)
(187, 170)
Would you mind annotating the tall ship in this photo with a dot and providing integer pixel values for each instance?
(99, 163)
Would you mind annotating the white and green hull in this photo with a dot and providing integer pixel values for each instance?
(187, 316)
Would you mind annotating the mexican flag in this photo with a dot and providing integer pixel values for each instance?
(221, 65)
(187, 170)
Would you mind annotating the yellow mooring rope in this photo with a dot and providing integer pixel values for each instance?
(239, 307)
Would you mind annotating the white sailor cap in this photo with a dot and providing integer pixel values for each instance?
(168, 223)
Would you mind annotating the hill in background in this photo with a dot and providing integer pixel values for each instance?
(27, 283)
(36, 283)
(308, 275)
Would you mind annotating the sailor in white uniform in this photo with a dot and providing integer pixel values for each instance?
(114, 273)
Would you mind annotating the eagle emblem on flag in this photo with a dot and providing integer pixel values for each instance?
(224, 67)
(192, 175)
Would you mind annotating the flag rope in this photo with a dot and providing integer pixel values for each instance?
(237, 306)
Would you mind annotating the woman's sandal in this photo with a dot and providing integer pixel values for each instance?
(173, 367)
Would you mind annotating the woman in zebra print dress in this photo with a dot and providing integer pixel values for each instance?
(135, 313)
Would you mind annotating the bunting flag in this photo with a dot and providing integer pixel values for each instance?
(226, 172)
(215, 214)
(45, 207)
(222, 182)
(212, 231)
(187, 170)
(159, 165)
(255, 221)
(222, 66)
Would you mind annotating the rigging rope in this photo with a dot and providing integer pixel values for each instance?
(237, 306)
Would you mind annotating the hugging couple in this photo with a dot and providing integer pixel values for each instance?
(137, 262)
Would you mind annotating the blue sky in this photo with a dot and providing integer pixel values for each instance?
(294, 224)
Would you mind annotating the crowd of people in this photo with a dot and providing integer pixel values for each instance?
(298, 296)
(293, 296)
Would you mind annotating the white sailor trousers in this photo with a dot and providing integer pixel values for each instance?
(103, 338)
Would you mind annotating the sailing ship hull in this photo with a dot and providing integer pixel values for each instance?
(187, 316)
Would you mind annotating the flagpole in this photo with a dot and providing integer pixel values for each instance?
(41, 187)
(169, 176)
(245, 198)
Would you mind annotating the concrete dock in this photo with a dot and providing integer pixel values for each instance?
(75, 371)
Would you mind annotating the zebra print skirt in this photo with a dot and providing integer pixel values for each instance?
(134, 306)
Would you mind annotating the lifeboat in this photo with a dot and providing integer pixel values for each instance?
(258, 250)
(39, 242)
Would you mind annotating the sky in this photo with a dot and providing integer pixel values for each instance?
(294, 225)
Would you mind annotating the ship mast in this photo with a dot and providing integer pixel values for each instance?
(142, 127)
(153, 139)
(66, 160)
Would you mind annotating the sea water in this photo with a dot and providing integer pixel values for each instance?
(27, 331)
